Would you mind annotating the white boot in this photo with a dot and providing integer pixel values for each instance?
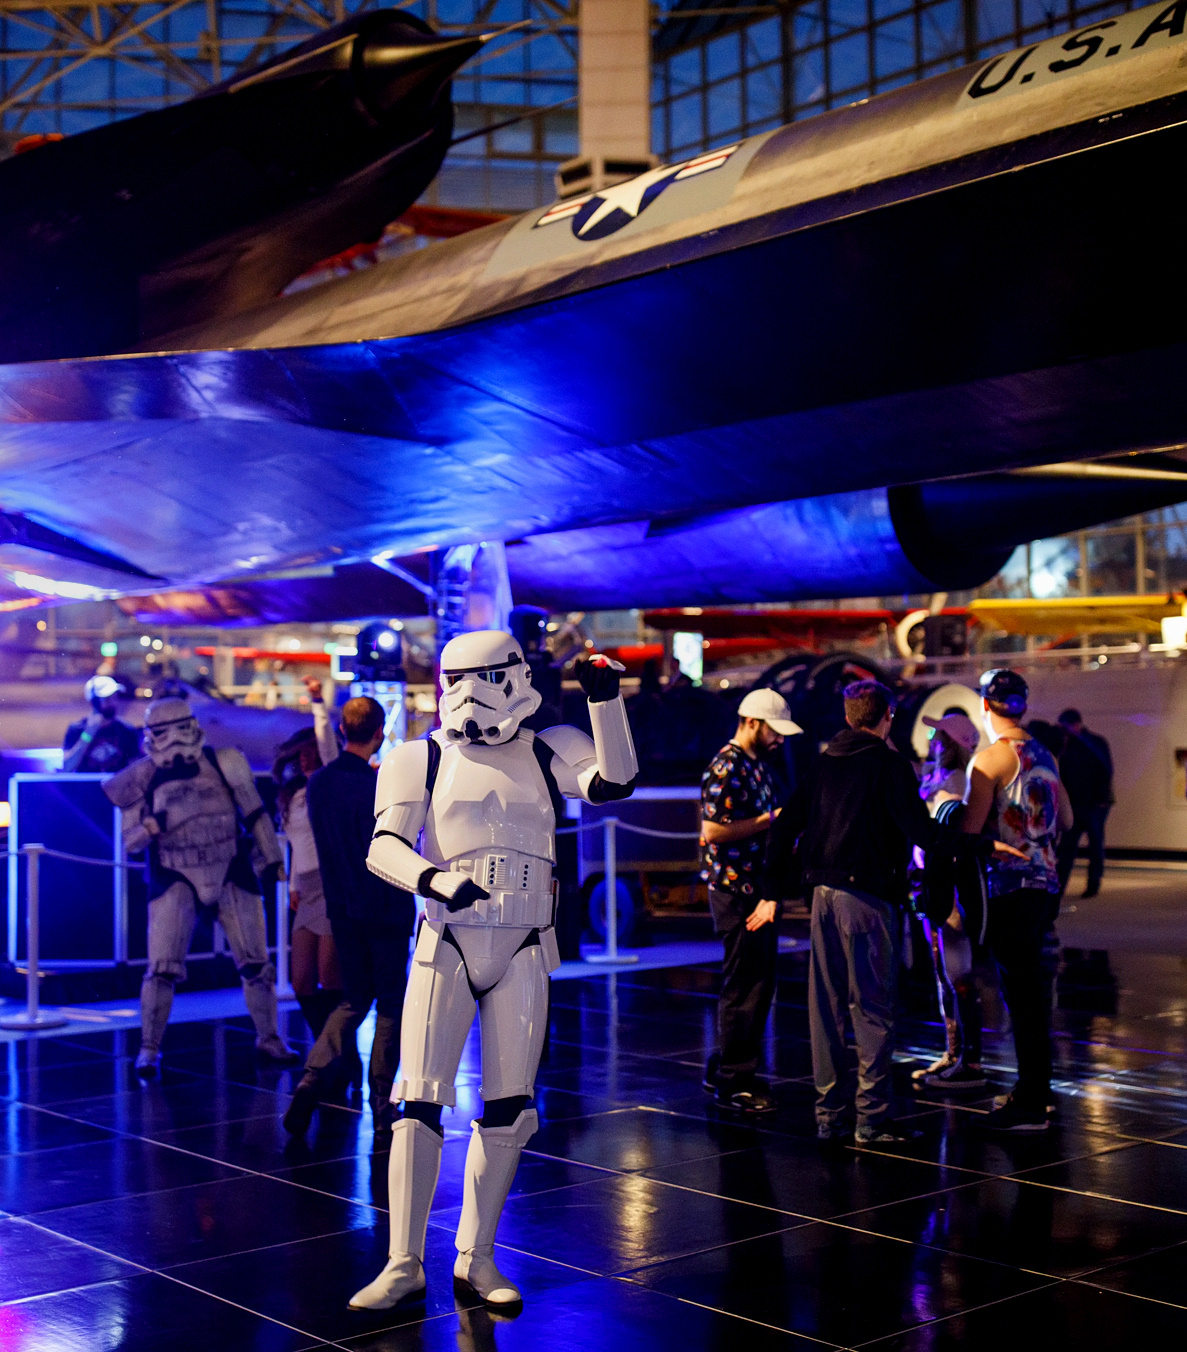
(156, 1001)
(412, 1169)
(259, 995)
(491, 1162)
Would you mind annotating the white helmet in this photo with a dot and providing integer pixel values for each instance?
(171, 730)
(486, 688)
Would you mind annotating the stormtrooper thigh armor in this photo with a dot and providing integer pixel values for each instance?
(467, 820)
(171, 920)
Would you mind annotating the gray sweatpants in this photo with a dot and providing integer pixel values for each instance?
(854, 964)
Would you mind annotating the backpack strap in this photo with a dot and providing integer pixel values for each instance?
(433, 765)
(544, 754)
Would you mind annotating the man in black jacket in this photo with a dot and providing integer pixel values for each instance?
(855, 819)
(371, 922)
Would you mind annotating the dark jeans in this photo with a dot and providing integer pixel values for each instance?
(854, 966)
(374, 961)
(1019, 936)
(1092, 821)
(747, 989)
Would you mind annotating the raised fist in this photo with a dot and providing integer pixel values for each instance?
(599, 677)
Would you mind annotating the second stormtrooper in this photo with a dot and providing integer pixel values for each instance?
(477, 797)
(200, 817)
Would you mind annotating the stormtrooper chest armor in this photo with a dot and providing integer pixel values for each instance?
(491, 818)
(200, 836)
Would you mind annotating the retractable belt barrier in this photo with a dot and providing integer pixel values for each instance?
(34, 1016)
(610, 827)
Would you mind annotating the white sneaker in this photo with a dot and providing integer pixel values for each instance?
(477, 1267)
(401, 1278)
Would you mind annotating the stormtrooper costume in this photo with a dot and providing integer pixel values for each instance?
(478, 797)
(184, 802)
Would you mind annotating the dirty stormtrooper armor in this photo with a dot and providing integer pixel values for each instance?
(182, 803)
(466, 819)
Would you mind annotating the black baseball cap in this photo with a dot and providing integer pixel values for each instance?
(1005, 687)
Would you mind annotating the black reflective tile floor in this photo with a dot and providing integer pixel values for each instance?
(178, 1216)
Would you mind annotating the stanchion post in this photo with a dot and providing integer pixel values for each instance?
(33, 1017)
(610, 863)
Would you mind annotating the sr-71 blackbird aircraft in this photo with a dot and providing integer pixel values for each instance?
(829, 359)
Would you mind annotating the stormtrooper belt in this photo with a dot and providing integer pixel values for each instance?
(521, 890)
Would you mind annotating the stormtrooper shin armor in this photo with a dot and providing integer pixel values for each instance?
(182, 803)
(468, 822)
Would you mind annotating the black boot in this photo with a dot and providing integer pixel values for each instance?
(304, 1104)
(314, 1012)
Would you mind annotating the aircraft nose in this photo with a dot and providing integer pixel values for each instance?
(399, 71)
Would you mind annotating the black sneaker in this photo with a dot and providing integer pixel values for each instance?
(300, 1111)
(953, 1077)
(748, 1102)
(712, 1066)
(1013, 1117)
(885, 1133)
(945, 1062)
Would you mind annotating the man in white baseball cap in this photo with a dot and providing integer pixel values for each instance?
(737, 809)
(769, 707)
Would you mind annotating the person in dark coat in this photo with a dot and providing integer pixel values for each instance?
(1086, 768)
(848, 833)
(371, 922)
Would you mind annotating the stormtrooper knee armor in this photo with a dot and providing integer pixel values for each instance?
(465, 818)
(184, 804)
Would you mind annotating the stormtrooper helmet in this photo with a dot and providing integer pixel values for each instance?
(486, 688)
(172, 731)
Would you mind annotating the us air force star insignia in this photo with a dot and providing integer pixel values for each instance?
(600, 214)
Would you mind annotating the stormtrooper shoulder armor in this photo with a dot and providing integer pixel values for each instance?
(233, 763)
(129, 786)
(403, 776)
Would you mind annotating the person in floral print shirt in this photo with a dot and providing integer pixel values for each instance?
(737, 809)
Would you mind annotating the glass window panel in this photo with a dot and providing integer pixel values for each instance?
(515, 140)
(808, 76)
(941, 30)
(883, 9)
(763, 95)
(684, 70)
(1111, 560)
(1055, 567)
(849, 63)
(995, 19)
(1047, 15)
(723, 57)
(808, 25)
(893, 81)
(763, 42)
(725, 108)
(846, 15)
(808, 110)
(560, 134)
(1012, 580)
(894, 46)
(659, 132)
(686, 121)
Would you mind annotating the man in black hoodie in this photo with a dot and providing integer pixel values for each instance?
(855, 819)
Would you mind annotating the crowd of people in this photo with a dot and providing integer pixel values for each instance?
(979, 845)
(994, 833)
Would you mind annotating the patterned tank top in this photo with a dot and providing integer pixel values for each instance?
(1025, 814)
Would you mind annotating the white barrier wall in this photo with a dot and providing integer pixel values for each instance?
(1143, 713)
